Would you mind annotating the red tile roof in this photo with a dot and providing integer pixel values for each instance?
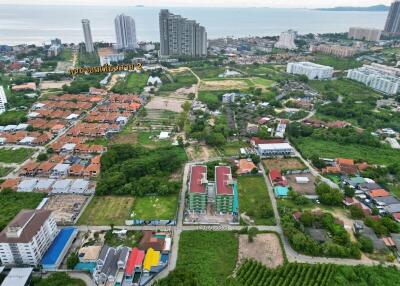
(195, 179)
(222, 175)
(258, 141)
(275, 174)
(379, 193)
(135, 259)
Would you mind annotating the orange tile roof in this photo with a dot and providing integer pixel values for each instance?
(379, 193)
(9, 183)
(343, 161)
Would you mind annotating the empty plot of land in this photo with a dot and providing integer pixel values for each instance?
(49, 84)
(66, 208)
(200, 153)
(307, 188)
(164, 103)
(107, 210)
(223, 84)
(284, 164)
(265, 248)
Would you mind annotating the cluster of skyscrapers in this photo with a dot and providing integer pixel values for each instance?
(178, 36)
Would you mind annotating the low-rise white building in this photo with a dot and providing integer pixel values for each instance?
(375, 79)
(311, 70)
(275, 149)
(27, 237)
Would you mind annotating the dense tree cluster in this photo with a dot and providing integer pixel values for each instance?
(329, 196)
(131, 170)
(82, 83)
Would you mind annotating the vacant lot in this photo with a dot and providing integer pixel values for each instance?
(133, 83)
(304, 189)
(254, 200)
(15, 155)
(223, 84)
(155, 207)
(265, 248)
(107, 210)
(165, 103)
(330, 149)
(49, 84)
(200, 153)
(210, 255)
(284, 164)
(12, 203)
(233, 148)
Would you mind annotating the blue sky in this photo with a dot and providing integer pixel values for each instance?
(251, 3)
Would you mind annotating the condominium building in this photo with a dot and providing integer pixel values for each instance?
(383, 69)
(335, 50)
(286, 40)
(109, 55)
(365, 34)
(87, 33)
(27, 237)
(311, 70)
(3, 100)
(180, 36)
(197, 201)
(226, 200)
(379, 81)
(392, 26)
(125, 31)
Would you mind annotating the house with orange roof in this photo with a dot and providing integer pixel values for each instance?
(44, 169)
(76, 170)
(378, 193)
(57, 129)
(10, 184)
(29, 169)
(245, 166)
(93, 170)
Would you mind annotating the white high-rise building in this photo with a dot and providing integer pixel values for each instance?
(3, 100)
(311, 70)
(125, 31)
(286, 40)
(366, 34)
(375, 79)
(27, 237)
(87, 33)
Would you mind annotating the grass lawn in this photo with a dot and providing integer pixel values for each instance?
(330, 149)
(212, 98)
(98, 141)
(4, 171)
(155, 207)
(254, 200)
(131, 239)
(208, 72)
(233, 148)
(107, 210)
(134, 83)
(15, 156)
(12, 117)
(144, 139)
(337, 63)
(11, 203)
(211, 256)
(185, 79)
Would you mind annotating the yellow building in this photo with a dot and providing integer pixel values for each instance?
(152, 258)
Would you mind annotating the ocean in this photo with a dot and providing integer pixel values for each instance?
(20, 24)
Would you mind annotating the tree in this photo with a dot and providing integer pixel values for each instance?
(366, 244)
(72, 260)
(215, 139)
(30, 128)
(252, 232)
(317, 162)
(42, 157)
(349, 192)
(255, 158)
(303, 78)
(356, 212)
(329, 196)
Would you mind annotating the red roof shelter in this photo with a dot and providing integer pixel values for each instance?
(135, 261)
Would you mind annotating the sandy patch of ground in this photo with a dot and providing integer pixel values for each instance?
(284, 164)
(200, 153)
(184, 91)
(164, 103)
(265, 248)
(47, 84)
(304, 189)
(223, 84)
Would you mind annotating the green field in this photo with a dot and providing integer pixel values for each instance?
(12, 117)
(11, 203)
(134, 83)
(4, 171)
(180, 80)
(144, 139)
(254, 200)
(107, 210)
(212, 98)
(15, 156)
(233, 148)
(155, 207)
(330, 149)
(337, 63)
(211, 256)
(208, 72)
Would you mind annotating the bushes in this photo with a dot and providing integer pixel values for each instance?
(139, 171)
(328, 195)
(366, 244)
